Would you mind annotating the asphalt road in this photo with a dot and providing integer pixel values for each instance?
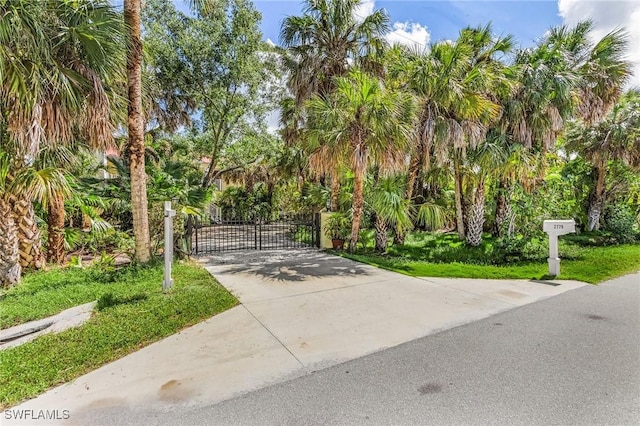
(572, 359)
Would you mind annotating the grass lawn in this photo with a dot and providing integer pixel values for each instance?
(132, 312)
(430, 255)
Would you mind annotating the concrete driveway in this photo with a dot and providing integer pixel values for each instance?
(302, 310)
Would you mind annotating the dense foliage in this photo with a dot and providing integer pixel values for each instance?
(471, 135)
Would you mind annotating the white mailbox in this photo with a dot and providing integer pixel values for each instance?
(554, 228)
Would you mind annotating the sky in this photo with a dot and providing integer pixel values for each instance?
(424, 21)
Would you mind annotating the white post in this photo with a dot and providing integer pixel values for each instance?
(554, 228)
(168, 245)
(553, 260)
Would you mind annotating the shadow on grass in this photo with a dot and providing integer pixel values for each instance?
(108, 300)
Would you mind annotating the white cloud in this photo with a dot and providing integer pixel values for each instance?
(608, 15)
(364, 9)
(409, 34)
(405, 33)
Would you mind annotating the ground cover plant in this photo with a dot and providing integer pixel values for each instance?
(132, 312)
(585, 257)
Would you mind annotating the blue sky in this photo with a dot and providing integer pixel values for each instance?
(423, 21)
(527, 20)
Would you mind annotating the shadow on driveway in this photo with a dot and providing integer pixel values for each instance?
(293, 265)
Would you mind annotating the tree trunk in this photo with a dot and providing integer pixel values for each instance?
(29, 239)
(398, 237)
(596, 203)
(414, 172)
(476, 217)
(335, 189)
(10, 268)
(381, 234)
(55, 223)
(358, 205)
(139, 208)
(457, 177)
(502, 203)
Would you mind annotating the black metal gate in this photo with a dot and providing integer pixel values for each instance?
(257, 234)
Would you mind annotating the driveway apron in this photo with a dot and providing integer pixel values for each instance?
(301, 310)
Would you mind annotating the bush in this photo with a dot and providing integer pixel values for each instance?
(620, 221)
(109, 240)
(520, 249)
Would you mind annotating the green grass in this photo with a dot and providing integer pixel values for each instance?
(437, 255)
(134, 313)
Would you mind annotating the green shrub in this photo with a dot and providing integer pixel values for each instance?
(620, 221)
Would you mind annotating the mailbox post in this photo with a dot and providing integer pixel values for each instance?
(554, 228)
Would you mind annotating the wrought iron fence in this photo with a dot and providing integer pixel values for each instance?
(255, 234)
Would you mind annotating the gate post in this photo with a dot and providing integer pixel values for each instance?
(195, 231)
(255, 236)
(316, 228)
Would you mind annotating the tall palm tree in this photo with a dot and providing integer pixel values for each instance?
(615, 137)
(367, 123)
(324, 43)
(54, 86)
(135, 125)
(456, 83)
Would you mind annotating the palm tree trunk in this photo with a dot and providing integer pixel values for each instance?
(358, 204)
(476, 217)
(29, 239)
(139, 208)
(399, 237)
(596, 204)
(381, 234)
(335, 189)
(502, 204)
(10, 268)
(55, 222)
(457, 177)
(414, 171)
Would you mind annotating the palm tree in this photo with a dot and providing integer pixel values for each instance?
(520, 165)
(135, 147)
(483, 165)
(456, 83)
(564, 74)
(616, 137)
(391, 207)
(324, 43)
(368, 123)
(10, 267)
(33, 183)
(55, 85)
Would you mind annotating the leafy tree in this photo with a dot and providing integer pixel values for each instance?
(212, 66)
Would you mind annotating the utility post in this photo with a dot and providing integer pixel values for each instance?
(168, 245)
